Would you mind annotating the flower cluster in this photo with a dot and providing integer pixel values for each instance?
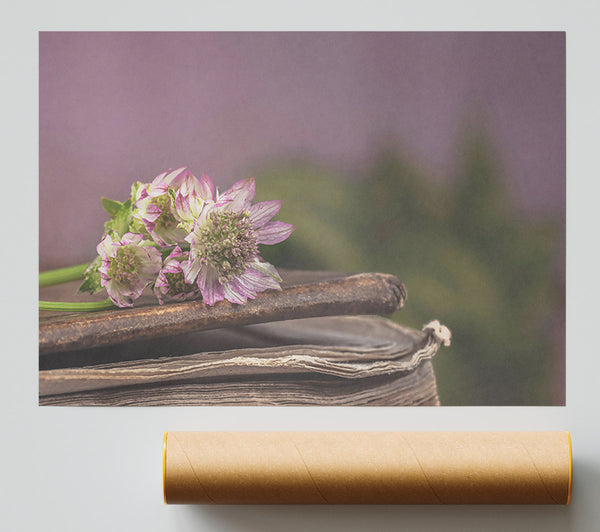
(183, 238)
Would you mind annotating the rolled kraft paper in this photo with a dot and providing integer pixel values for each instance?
(367, 467)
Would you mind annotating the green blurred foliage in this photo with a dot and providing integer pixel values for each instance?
(464, 254)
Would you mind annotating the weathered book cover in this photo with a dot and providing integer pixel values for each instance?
(304, 294)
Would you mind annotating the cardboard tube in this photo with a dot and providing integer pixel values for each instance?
(367, 467)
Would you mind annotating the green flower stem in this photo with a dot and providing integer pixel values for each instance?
(66, 306)
(62, 275)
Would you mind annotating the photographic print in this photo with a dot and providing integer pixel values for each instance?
(302, 218)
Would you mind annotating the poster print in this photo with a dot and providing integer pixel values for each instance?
(302, 218)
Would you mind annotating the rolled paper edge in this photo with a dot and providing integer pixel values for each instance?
(164, 467)
(564, 502)
(570, 468)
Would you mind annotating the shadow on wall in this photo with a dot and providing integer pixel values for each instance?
(467, 258)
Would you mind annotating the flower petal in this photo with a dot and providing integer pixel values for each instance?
(182, 206)
(161, 280)
(176, 253)
(257, 281)
(273, 232)
(106, 248)
(172, 267)
(240, 194)
(115, 292)
(191, 269)
(131, 238)
(168, 235)
(235, 294)
(157, 189)
(211, 288)
(153, 263)
(151, 212)
(266, 268)
(261, 213)
(206, 189)
(176, 177)
(136, 290)
(158, 179)
(208, 209)
(149, 226)
(190, 238)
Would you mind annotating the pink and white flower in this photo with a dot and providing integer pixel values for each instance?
(192, 196)
(171, 281)
(224, 258)
(172, 199)
(127, 267)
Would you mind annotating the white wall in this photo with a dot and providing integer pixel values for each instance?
(100, 469)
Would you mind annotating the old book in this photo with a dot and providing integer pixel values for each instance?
(341, 360)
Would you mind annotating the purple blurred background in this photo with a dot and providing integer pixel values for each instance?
(119, 107)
